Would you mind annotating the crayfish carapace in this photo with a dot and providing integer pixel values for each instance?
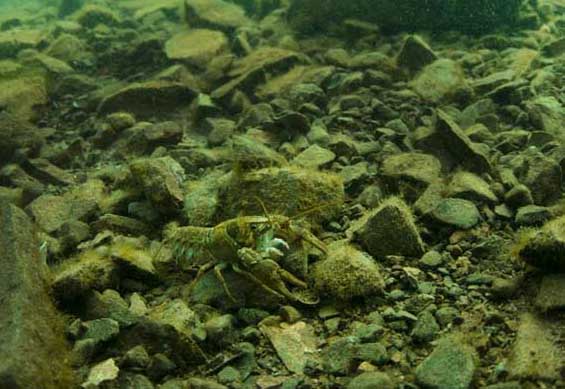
(251, 246)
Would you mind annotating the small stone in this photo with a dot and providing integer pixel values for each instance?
(545, 249)
(290, 314)
(458, 213)
(119, 121)
(532, 215)
(339, 357)
(439, 81)
(101, 330)
(160, 366)
(371, 380)
(446, 315)
(196, 46)
(220, 15)
(108, 305)
(450, 366)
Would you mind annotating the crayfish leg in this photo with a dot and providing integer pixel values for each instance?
(257, 281)
(218, 272)
(291, 278)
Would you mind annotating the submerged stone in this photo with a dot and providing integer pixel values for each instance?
(196, 46)
(33, 352)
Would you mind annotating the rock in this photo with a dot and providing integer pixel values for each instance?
(22, 97)
(100, 330)
(229, 375)
(347, 273)
(441, 81)
(218, 14)
(90, 270)
(457, 213)
(202, 383)
(248, 153)
(134, 259)
(219, 130)
(339, 357)
(426, 328)
(92, 15)
(371, 380)
(546, 112)
(518, 196)
(221, 330)
(542, 175)
(121, 225)
(293, 343)
(108, 305)
(432, 372)
(415, 54)
(31, 330)
(354, 176)
(68, 48)
(102, 372)
(535, 353)
(160, 179)
(431, 259)
(196, 47)
(373, 353)
(545, 249)
(551, 295)
(410, 173)
(532, 215)
(148, 98)
(492, 81)
(80, 203)
(160, 366)
(176, 314)
(136, 358)
(471, 187)
(460, 146)
(389, 230)
(292, 190)
(16, 40)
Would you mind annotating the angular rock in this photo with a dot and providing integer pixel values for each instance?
(451, 365)
(389, 230)
(120, 225)
(441, 81)
(415, 54)
(458, 213)
(371, 380)
(105, 371)
(339, 357)
(21, 97)
(109, 304)
(471, 187)
(92, 15)
(294, 343)
(249, 154)
(31, 331)
(160, 179)
(347, 273)
(460, 146)
(532, 215)
(148, 98)
(542, 175)
(196, 47)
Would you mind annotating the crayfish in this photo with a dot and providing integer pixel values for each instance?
(251, 246)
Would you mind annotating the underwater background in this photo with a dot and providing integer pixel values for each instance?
(282, 194)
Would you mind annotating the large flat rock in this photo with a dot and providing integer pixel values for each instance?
(33, 352)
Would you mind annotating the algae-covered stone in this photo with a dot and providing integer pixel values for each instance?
(371, 380)
(389, 230)
(545, 249)
(196, 46)
(248, 153)
(471, 187)
(441, 81)
(161, 180)
(451, 365)
(92, 14)
(33, 353)
(146, 98)
(347, 273)
(287, 191)
(457, 213)
(410, 173)
(221, 15)
(22, 97)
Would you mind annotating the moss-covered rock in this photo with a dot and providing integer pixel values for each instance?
(347, 273)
